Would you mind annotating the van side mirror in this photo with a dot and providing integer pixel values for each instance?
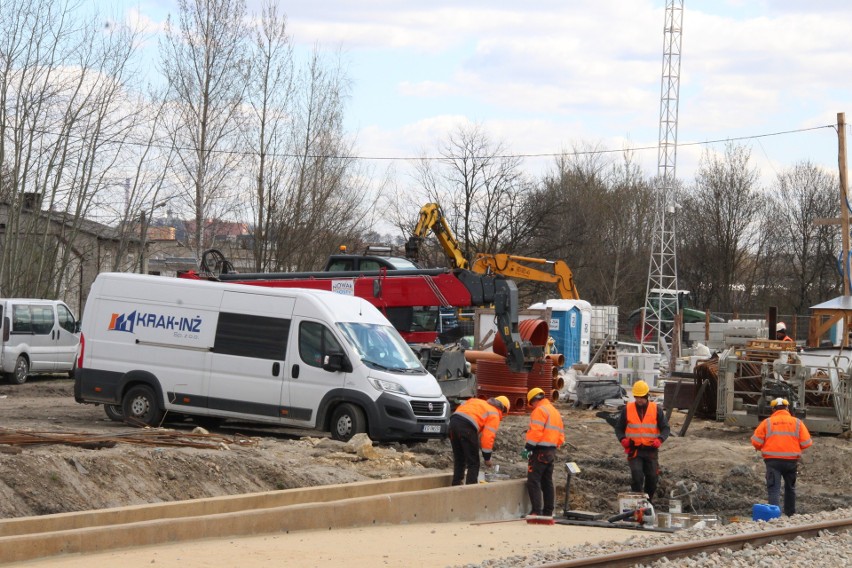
(77, 326)
(335, 362)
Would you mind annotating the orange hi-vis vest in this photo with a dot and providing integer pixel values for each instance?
(485, 417)
(781, 437)
(546, 429)
(642, 432)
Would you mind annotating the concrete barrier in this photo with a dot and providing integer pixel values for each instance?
(399, 501)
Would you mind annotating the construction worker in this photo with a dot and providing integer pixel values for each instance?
(545, 434)
(781, 332)
(473, 428)
(642, 428)
(781, 439)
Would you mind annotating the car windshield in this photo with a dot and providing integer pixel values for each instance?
(380, 346)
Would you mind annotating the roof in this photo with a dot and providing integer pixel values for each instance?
(838, 303)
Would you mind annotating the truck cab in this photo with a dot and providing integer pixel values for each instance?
(375, 258)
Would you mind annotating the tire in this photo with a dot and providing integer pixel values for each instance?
(21, 372)
(114, 413)
(346, 421)
(140, 407)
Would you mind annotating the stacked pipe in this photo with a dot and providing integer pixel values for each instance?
(495, 378)
(557, 360)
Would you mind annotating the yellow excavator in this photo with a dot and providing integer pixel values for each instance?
(432, 219)
(513, 267)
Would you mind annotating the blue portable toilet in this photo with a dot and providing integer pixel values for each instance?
(570, 328)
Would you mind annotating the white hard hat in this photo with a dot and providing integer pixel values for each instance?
(781, 326)
(779, 402)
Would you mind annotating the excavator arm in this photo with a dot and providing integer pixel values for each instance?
(432, 219)
(509, 265)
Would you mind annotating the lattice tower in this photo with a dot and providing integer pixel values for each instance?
(661, 298)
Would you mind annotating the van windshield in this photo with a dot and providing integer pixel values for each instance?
(381, 346)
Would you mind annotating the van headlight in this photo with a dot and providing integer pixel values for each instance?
(388, 386)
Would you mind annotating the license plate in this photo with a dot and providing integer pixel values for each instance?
(431, 428)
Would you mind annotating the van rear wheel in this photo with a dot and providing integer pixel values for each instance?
(346, 421)
(113, 412)
(140, 407)
(21, 372)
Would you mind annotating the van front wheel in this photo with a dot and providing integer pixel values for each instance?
(140, 407)
(21, 372)
(347, 421)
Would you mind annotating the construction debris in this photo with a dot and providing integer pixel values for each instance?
(145, 437)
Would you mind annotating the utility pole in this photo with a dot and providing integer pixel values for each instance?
(661, 292)
(844, 197)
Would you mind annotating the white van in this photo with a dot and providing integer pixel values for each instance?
(306, 358)
(38, 337)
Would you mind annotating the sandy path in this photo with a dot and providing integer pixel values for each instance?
(421, 545)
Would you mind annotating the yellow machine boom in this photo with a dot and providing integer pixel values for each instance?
(432, 219)
(510, 265)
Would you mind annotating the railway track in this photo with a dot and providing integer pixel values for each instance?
(692, 548)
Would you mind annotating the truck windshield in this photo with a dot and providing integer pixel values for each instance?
(380, 345)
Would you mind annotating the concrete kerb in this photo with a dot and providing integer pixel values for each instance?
(487, 501)
(217, 505)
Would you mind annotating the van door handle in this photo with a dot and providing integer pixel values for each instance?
(275, 368)
(295, 373)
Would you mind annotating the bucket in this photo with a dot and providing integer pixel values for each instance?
(765, 512)
(675, 506)
(664, 520)
(631, 501)
(704, 521)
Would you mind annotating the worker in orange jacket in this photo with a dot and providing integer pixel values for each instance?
(473, 428)
(781, 332)
(545, 434)
(642, 428)
(781, 439)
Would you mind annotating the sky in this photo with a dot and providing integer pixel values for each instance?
(551, 75)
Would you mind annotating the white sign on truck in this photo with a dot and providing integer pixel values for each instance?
(215, 351)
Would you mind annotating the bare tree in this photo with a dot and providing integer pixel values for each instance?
(480, 188)
(268, 130)
(324, 198)
(63, 119)
(595, 215)
(803, 251)
(204, 61)
(719, 227)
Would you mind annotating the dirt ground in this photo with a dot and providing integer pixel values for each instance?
(715, 462)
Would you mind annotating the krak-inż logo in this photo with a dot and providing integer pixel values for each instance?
(128, 322)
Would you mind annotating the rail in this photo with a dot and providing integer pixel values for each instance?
(694, 547)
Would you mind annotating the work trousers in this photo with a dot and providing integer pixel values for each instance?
(776, 470)
(644, 471)
(540, 481)
(464, 438)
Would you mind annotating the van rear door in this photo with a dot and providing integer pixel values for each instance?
(248, 359)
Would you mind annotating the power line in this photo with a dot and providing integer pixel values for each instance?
(438, 158)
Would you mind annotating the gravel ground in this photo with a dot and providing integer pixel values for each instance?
(828, 550)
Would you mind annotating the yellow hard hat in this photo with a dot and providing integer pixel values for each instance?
(779, 401)
(534, 393)
(504, 400)
(640, 388)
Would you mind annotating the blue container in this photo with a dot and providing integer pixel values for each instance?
(765, 512)
(565, 330)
